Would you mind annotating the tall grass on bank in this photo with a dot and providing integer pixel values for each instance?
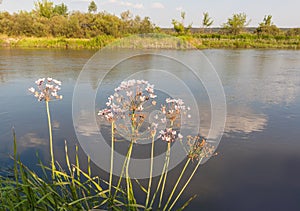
(66, 191)
(158, 41)
(58, 43)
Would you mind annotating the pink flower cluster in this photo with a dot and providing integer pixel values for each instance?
(47, 89)
(130, 96)
(173, 109)
(169, 135)
(129, 105)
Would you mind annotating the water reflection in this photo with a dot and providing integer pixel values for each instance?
(86, 128)
(262, 90)
(244, 120)
(55, 125)
(267, 77)
(30, 140)
(15, 64)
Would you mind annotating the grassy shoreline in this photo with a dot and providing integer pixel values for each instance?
(199, 41)
(57, 43)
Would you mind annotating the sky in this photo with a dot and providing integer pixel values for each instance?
(285, 13)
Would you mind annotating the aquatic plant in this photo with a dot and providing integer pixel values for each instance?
(74, 189)
(47, 90)
(127, 109)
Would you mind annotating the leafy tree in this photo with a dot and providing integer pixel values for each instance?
(179, 26)
(92, 7)
(53, 20)
(44, 8)
(207, 21)
(6, 23)
(74, 29)
(236, 24)
(61, 9)
(266, 27)
(182, 14)
(59, 26)
(105, 23)
(127, 21)
(23, 24)
(126, 15)
(267, 21)
(146, 26)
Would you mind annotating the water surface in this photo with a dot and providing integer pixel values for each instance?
(257, 166)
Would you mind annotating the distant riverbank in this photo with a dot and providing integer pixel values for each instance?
(156, 41)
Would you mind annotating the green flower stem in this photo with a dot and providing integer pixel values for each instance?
(151, 172)
(158, 185)
(127, 177)
(186, 184)
(121, 175)
(111, 156)
(125, 168)
(177, 182)
(130, 195)
(50, 139)
(165, 174)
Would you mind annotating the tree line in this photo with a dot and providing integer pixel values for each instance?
(235, 25)
(48, 19)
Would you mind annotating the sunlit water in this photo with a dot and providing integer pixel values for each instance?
(257, 166)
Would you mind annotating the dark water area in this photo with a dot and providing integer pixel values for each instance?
(258, 161)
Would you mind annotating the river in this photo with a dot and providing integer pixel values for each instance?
(258, 161)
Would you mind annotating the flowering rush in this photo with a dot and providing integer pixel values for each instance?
(169, 135)
(199, 147)
(130, 97)
(47, 89)
(173, 110)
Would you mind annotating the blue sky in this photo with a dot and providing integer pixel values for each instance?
(285, 13)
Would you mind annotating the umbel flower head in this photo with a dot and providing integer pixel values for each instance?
(169, 135)
(46, 89)
(128, 105)
(199, 147)
(173, 109)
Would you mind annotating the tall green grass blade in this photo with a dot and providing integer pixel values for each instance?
(77, 162)
(187, 203)
(141, 186)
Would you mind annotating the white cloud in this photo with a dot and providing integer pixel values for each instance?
(81, 1)
(126, 4)
(179, 8)
(157, 5)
